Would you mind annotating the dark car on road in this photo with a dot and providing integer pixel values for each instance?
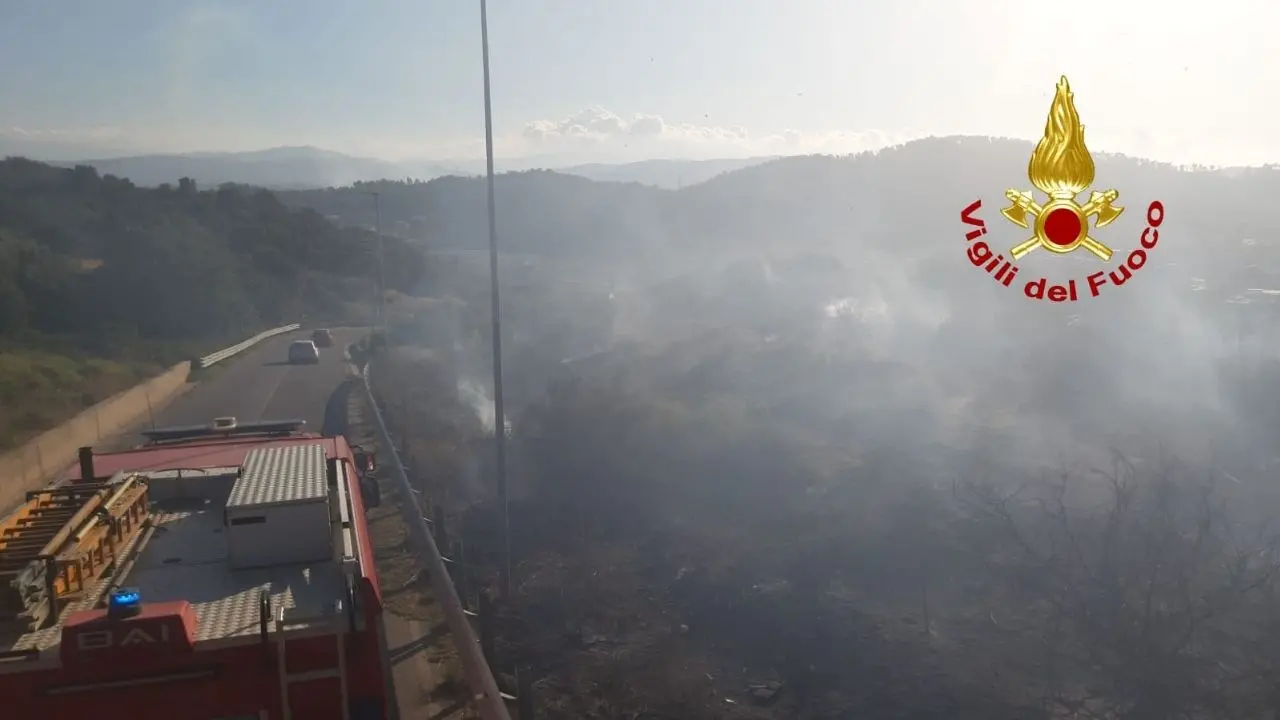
(322, 338)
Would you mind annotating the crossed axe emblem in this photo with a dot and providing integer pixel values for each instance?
(1063, 224)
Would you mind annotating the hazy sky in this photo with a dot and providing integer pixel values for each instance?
(610, 80)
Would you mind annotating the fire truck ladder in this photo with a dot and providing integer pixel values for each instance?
(62, 540)
(284, 623)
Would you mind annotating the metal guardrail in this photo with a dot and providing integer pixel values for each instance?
(223, 354)
(486, 695)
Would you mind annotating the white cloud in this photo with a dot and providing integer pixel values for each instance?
(601, 130)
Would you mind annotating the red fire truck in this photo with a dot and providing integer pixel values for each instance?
(220, 572)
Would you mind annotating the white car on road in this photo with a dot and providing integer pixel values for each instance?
(303, 352)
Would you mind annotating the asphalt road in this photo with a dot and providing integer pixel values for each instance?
(261, 385)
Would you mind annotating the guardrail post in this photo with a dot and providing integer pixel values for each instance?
(486, 629)
(524, 693)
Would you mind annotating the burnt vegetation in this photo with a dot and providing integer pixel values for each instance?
(812, 465)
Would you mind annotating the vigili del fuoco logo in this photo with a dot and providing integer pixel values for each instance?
(1061, 168)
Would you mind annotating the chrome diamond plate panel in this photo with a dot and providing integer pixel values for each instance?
(278, 475)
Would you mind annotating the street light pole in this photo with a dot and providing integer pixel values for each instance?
(382, 277)
(499, 414)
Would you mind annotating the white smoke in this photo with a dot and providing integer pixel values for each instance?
(475, 395)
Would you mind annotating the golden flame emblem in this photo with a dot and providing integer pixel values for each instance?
(1061, 167)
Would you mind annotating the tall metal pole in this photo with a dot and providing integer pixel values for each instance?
(499, 414)
(382, 276)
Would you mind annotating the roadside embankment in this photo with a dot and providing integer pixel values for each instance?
(29, 466)
(34, 463)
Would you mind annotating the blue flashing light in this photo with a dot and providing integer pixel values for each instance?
(124, 599)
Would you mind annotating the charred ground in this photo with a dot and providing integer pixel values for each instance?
(809, 484)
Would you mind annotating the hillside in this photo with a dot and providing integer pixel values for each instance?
(102, 281)
(876, 234)
(669, 174)
(903, 200)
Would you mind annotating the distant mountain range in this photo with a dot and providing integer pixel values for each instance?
(671, 174)
(298, 168)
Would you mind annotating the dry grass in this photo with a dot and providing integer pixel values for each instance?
(671, 618)
(606, 639)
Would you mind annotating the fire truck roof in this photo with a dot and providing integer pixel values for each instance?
(234, 527)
